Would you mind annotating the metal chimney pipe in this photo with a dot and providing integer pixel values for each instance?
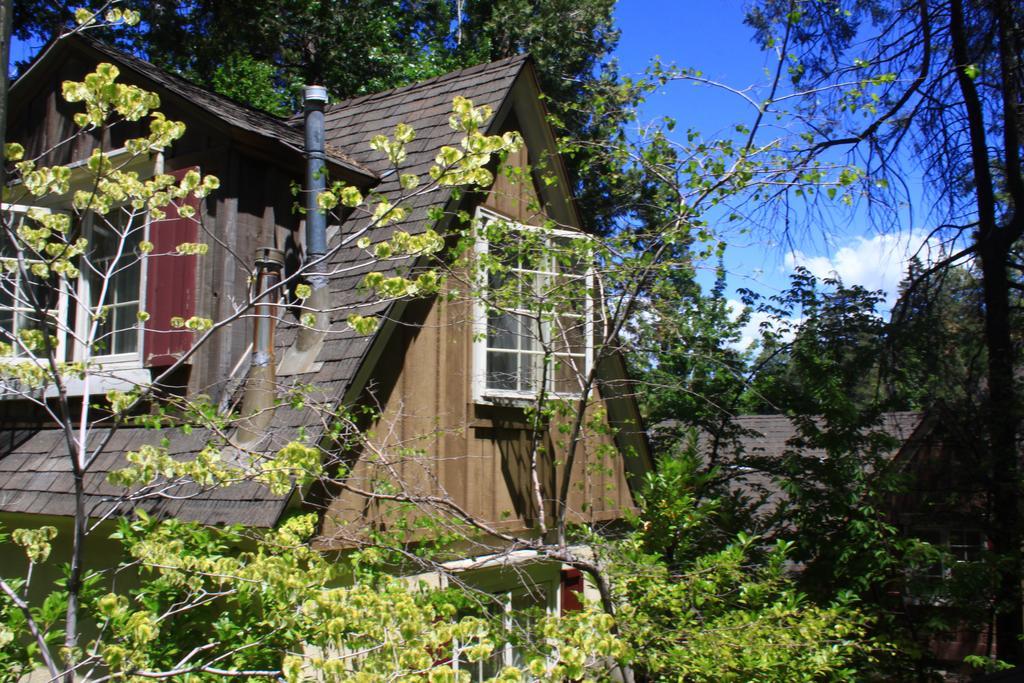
(314, 100)
(261, 381)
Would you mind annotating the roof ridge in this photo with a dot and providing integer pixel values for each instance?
(128, 56)
(888, 413)
(451, 75)
(154, 72)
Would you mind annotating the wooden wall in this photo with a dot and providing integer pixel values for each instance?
(252, 208)
(433, 438)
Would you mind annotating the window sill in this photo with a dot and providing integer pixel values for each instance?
(518, 400)
(101, 380)
(106, 379)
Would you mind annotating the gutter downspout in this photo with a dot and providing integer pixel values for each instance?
(261, 380)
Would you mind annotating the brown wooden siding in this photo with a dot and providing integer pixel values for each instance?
(438, 442)
(513, 193)
(433, 439)
(252, 208)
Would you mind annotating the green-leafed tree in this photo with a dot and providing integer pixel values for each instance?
(935, 339)
(932, 86)
(707, 606)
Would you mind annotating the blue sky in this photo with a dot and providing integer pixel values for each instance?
(711, 36)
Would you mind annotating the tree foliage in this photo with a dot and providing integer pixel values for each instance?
(701, 606)
(937, 83)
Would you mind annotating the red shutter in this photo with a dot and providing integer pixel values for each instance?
(170, 283)
(572, 589)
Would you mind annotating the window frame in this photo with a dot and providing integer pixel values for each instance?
(933, 582)
(128, 360)
(953, 553)
(488, 395)
(75, 297)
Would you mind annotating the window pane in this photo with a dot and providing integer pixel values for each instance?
(569, 335)
(502, 370)
(42, 293)
(503, 331)
(568, 373)
(529, 372)
(118, 332)
(27, 301)
(126, 282)
(126, 336)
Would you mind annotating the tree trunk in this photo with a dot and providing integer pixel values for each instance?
(994, 242)
(1003, 457)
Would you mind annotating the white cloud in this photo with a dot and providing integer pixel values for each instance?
(751, 331)
(877, 262)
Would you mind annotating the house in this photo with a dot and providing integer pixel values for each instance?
(419, 383)
(938, 500)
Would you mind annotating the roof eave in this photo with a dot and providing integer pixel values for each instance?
(344, 168)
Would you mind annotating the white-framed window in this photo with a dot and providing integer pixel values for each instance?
(959, 545)
(935, 576)
(517, 609)
(533, 324)
(111, 283)
(28, 301)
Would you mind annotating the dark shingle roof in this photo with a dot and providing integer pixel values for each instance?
(770, 436)
(270, 128)
(752, 455)
(35, 477)
(351, 124)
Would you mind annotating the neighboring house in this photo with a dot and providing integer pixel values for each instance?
(426, 367)
(938, 502)
(753, 448)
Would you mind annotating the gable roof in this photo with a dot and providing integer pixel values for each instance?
(267, 128)
(351, 124)
(35, 479)
(751, 453)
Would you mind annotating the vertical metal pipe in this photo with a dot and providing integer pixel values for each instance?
(311, 337)
(269, 263)
(315, 97)
(261, 381)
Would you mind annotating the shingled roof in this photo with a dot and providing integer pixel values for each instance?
(351, 124)
(753, 453)
(271, 129)
(36, 479)
(35, 476)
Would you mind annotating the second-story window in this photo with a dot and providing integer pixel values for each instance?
(113, 279)
(534, 316)
(99, 308)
